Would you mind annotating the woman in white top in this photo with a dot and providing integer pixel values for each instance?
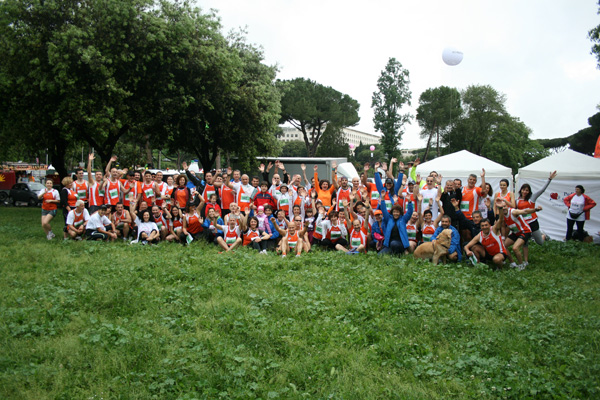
(579, 206)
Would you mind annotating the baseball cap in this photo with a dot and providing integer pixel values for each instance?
(378, 212)
(389, 180)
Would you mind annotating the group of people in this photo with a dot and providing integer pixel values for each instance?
(291, 215)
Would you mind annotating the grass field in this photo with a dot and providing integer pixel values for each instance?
(83, 320)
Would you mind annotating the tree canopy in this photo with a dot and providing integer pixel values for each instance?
(438, 108)
(387, 102)
(594, 35)
(98, 71)
(310, 107)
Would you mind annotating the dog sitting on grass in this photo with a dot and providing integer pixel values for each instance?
(429, 251)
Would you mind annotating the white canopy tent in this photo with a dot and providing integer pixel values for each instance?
(573, 169)
(461, 164)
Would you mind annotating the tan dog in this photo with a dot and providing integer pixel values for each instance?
(428, 251)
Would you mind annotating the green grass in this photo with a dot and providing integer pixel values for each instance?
(83, 320)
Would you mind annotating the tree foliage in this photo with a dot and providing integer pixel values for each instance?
(333, 143)
(584, 141)
(387, 102)
(160, 72)
(310, 107)
(293, 148)
(488, 130)
(438, 108)
(594, 35)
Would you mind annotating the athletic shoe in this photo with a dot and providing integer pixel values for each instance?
(473, 259)
(521, 267)
(77, 237)
(48, 236)
(52, 235)
(263, 251)
(525, 264)
(144, 242)
(283, 256)
(513, 265)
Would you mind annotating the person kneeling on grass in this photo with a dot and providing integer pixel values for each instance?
(96, 226)
(454, 252)
(358, 233)
(488, 245)
(76, 220)
(121, 219)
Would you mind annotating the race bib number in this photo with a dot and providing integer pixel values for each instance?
(427, 237)
(292, 245)
(319, 229)
(78, 224)
(120, 225)
(374, 195)
(412, 234)
(245, 198)
(464, 206)
(388, 205)
(101, 193)
(81, 194)
(426, 201)
(208, 193)
(335, 235)
(355, 242)
(230, 239)
(149, 192)
(114, 193)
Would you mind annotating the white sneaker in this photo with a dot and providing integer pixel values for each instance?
(283, 256)
(48, 236)
(521, 267)
(513, 265)
(52, 235)
(263, 251)
(78, 238)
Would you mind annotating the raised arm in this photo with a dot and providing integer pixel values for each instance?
(483, 187)
(112, 159)
(91, 179)
(537, 194)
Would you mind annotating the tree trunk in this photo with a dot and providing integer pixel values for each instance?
(438, 141)
(148, 150)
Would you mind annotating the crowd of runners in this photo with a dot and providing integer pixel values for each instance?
(391, 213)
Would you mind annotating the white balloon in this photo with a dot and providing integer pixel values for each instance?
(451, 56)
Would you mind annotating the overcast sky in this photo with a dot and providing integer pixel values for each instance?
(535, 52)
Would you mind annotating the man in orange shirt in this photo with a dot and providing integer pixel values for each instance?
(470, 200)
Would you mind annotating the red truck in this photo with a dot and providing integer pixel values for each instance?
(7, 180)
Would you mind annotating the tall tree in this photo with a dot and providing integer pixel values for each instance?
(438, 108)
(594, 35)
(311, 107)
(333, 143)
(484, 111)
(392, 94)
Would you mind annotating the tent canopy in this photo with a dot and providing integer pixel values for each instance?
(569, 164)
(461, 164)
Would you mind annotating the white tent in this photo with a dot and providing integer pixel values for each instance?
(463, 163)
(573, 169)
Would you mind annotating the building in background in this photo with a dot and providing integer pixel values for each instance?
(350, 136)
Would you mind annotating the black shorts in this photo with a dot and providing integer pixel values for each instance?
(489, 257)
(514, 236)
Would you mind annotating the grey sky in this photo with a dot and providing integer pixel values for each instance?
(535, 52)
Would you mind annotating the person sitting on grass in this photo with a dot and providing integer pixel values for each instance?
(97, 225)
(488, 245)
(291, 239)
(358, 232)
(76, 220)
(211, 226)
(192, 225)
(395, 235)
(175, 224)
(148, 231)
(232, 236)
(253, 236)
